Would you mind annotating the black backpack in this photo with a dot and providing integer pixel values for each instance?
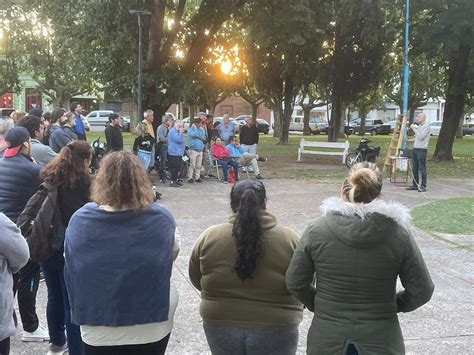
(40, 223)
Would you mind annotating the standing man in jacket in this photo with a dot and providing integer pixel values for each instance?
(420, 150)
(19, 180)
(43, 154)
(148, 117)
(80, 122)
(249, 136)
(5, 125)
(113, 134)
(162, 144)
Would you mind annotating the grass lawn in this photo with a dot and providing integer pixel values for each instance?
(457, 216)
(282, 161)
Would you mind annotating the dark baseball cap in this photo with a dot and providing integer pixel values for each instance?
(15, 138)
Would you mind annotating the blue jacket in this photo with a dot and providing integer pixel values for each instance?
(235, 152)
(175, 143)
(196, 137)
(118, 265)
(19, 180)
(60, 136)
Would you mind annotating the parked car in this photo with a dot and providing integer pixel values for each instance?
(99, 118)
(372, 126)
(317, 125)
(6, 112)
(468, 129)
(435, 127)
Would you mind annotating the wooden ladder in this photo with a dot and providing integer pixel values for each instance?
(395, 142)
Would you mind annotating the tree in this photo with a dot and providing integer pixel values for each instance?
(249, 93)
(309, 98)
(104, 37)
(9, 63)
(450, 32)
(281, 37)
(360, 37)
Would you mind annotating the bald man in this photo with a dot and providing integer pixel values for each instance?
(420, 150)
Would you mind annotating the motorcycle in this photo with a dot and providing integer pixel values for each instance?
(98, 152)
(363, 152)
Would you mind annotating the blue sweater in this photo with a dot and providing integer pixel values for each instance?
(226, 131)
(196, 137)
(118, 265)
(235, 152)
(175, 143)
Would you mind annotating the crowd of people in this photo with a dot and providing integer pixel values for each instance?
(108, 276)
(209, 144)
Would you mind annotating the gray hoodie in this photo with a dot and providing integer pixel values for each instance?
(14, 254)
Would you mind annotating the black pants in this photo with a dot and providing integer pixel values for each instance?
(26, 282)
(174, 162)
(5, 346)
(157, 348)
(419, 165)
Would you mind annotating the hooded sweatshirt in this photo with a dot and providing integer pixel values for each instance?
(261, 301)
(356, 252)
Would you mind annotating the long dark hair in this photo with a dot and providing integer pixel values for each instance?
(247, 199)
(68, 166)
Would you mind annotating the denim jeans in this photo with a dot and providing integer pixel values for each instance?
(5, 346)
(58, 312)
(419, 165)
(224, 163)
(252, 149)
(251, 341)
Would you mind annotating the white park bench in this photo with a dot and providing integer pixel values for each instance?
(330, 148)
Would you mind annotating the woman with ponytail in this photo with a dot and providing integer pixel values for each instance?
(239, 267)
(356, 252)
(69, 171)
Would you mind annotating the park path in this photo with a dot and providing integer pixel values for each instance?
(443, 326)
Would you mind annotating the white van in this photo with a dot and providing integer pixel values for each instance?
(317, 125)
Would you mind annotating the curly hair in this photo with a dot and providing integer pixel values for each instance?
(247, 199)
(122, 182)
(68, 166)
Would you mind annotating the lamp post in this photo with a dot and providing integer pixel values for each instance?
(139, 14)
(405, 72)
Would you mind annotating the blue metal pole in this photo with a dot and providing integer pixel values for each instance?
(406, 72)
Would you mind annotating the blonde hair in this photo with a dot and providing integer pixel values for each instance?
(17, 115)
(122, 183)
(363, 184)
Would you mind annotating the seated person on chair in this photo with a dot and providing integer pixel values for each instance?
(244, 158)
(222, 155)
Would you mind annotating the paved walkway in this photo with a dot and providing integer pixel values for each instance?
(443, 326)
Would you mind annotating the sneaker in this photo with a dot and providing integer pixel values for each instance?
(40, 334)
(422, 189)
(163, 181)
(259, 177)
(175, 184)
(412, 188)
(211, 176)
(56, 349)
(262, 159)
(225, 181)
(198, 180)
(190, 181)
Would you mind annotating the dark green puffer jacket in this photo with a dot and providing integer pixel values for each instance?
(355, 252)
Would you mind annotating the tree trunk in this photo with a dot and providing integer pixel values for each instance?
(454, 107)
(277, 113)
(363, 117)
(285, 119)
(306, 116)
(254, 111)
(335, 122)
(411, 115)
